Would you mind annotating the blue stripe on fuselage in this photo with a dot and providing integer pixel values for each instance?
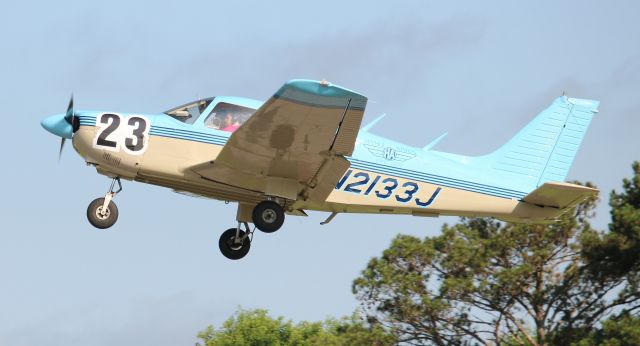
(210, 138)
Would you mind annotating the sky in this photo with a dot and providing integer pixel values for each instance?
(478, 70)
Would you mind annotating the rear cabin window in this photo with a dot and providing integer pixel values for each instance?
(228, 117)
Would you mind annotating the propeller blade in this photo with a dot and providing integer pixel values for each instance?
(61, 147)
(70, 113)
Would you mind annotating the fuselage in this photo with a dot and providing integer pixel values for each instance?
(385, 176)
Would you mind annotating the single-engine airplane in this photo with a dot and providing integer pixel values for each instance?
(303, 149)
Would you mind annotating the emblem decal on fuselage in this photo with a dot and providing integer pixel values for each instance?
(389, 153)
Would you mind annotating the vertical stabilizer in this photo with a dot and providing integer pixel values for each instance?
(544, 149)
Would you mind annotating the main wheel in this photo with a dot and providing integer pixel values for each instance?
(100, 219)
(232, 249)
(268, 216)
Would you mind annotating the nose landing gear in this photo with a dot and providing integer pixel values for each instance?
(103, 212)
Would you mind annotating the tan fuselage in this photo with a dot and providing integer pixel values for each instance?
(168, 161)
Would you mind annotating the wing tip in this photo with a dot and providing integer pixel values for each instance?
(322, 88)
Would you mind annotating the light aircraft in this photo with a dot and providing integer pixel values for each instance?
(303, 149)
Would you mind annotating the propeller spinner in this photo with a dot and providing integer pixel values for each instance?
(62, 125)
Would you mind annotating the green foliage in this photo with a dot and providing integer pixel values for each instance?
(257, 328)
(486, 282)
(623, 330)
(618, 251)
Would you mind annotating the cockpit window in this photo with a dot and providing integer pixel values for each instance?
(190, 112)
(228, 117)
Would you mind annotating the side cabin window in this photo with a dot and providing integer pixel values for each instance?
(228, 117)
(189, 112)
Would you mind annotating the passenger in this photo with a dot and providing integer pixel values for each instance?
(230, 123)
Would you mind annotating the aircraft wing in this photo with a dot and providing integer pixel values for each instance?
(294, 145)
(559, 195)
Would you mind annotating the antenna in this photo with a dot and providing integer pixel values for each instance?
(367, 127)
(434, 142)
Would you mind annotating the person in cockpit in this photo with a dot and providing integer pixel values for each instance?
(230, 122)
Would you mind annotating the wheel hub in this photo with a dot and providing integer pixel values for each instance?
(269, 216)
(235, 245)
(102, 214)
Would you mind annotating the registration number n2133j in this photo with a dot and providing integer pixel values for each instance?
(383, 188)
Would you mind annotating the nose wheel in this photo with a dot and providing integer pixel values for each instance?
(102, 212)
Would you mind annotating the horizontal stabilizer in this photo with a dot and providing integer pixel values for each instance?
(559, 195)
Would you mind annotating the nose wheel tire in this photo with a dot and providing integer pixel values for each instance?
(100, 218)
(232, 248)
(268, 216)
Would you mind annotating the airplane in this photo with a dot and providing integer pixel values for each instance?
(304, 149)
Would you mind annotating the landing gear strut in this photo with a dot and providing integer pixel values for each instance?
(235, 243)
(103, 212)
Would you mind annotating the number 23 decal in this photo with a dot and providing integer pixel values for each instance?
(117, 132)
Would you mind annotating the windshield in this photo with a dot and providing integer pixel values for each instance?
(189, 112)
(228, 117)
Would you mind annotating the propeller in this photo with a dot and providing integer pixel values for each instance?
(70, 118)
(61, 147)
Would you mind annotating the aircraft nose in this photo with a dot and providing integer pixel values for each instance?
(57, 125)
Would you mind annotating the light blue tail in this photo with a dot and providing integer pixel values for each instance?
(544, 149)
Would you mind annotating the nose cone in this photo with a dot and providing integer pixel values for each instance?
(58, 126)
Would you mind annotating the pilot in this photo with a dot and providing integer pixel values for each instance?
(212, 121)
(230, 122)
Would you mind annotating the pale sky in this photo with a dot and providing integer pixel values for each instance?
(479, 70)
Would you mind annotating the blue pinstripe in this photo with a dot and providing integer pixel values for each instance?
(355, 163)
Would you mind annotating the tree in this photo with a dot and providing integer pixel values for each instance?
(617, 252)
(257, 328)
(487, 282)
(622, 330)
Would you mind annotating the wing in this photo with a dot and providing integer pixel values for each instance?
(294, 145)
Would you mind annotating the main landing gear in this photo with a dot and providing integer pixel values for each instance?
(234, 243)
(103, 212)
(267, 216)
